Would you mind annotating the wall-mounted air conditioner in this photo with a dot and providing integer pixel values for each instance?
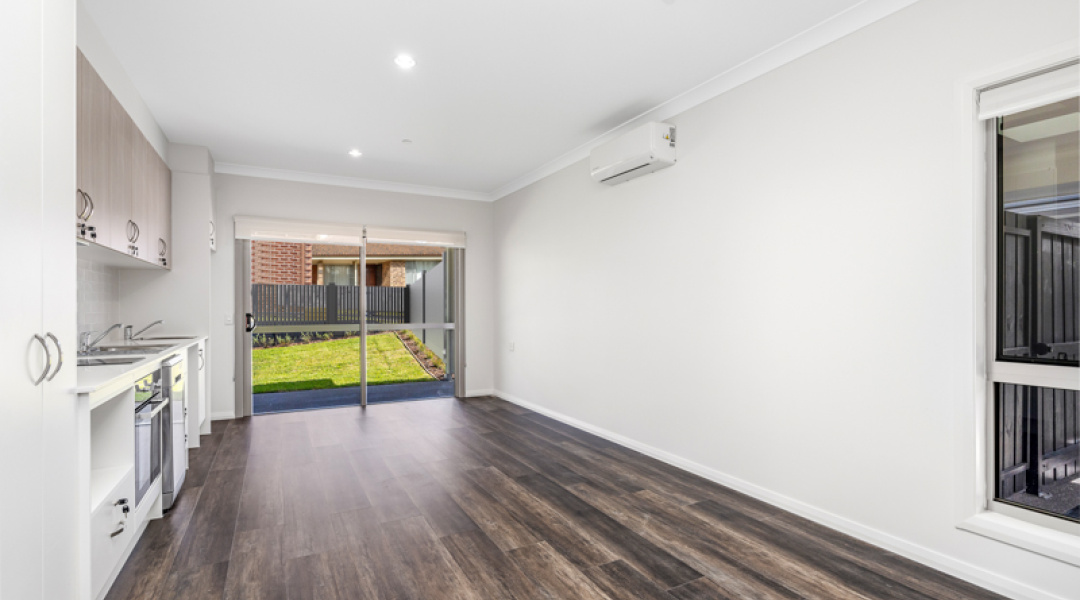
(648, 148)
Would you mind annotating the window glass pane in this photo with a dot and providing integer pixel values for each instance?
(1038, 267)
(1038, 449)
(339, 274)
(415, 269)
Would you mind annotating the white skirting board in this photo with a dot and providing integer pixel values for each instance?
(477, 393)
(920, 554)
(222, 416)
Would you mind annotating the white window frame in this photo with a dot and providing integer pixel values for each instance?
(976, 509)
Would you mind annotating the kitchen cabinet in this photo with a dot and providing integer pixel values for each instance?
(203, 425)
(124, 189)
(180, 449)
(198, 422)
(111, 440)
(92, 195)
(112, 506)
(118, 158)
(139, 197)
(112, 529)
(39, 475)
(159, 192)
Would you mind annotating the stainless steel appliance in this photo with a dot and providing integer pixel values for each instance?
(174, 429)
(148, 427)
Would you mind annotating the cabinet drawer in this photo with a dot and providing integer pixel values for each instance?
(107, 549)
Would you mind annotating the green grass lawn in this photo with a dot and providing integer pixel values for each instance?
(333, 364)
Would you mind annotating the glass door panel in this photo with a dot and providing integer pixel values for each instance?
(410, 328)
(306, 343)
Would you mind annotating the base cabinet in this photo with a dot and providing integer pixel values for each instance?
(112, 529)
(180, 452)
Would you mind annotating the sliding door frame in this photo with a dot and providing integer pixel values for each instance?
(242, 375)
(362, 277)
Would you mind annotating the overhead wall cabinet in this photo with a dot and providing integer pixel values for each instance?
(123, 200)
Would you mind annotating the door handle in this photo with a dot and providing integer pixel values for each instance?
(59, 356)
(249, 321)
(48, 359)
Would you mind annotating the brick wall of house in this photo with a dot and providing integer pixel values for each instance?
(393, 274)
(281, 263)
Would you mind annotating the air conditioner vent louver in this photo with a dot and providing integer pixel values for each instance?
(623, 173)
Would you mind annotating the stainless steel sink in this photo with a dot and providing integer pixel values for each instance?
(104, 361)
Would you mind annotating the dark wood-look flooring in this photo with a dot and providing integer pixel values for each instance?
(467, 499)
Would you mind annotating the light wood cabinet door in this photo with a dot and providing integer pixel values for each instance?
(124, 188)
(140, 185)
(122, 133)
(160, 209)
(93, 119)
(164, 216)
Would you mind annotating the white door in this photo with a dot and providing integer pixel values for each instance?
(22, 356)
(65, 496)
(37, 201)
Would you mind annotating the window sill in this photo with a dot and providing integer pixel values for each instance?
(1028, 536)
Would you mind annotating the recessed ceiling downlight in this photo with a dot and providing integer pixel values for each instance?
(355, 153)
(405, 61)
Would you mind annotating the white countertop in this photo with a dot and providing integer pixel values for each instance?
(101, 382)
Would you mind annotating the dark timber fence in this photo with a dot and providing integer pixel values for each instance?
(1039, 288)
(1039, 423)
(1038, 429)
(326, 304)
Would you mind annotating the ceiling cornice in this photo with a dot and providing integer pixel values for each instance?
(351, 182)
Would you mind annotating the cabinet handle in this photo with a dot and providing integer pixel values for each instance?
(202, 359)
(90, 201)
(118, 531)
(137, 232)
(48, 359)
(59, 356)
(131, 231)
(211, 229)
(162, 247)
(80, 212)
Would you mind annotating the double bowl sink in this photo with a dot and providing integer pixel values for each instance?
(99, 356)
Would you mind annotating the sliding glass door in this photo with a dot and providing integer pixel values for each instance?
(329, 317)
(306, 321)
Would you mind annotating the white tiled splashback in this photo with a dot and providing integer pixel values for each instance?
(99, 297)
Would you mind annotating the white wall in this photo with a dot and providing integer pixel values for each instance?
(236, 195)
(821, 217)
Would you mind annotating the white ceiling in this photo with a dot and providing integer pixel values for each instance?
(501, 87)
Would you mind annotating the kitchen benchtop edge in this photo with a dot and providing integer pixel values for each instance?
(93, 379)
